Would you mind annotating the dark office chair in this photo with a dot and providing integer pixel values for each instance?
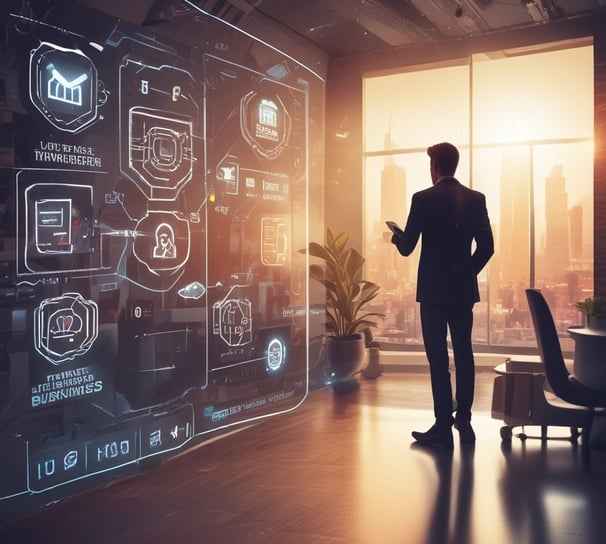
(560, 380)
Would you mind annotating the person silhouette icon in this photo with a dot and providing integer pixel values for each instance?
(165, 247)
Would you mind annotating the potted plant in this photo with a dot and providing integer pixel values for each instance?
(594, 310)
(347, 297)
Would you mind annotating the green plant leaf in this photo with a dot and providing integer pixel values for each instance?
(347, 293)
(593, 307)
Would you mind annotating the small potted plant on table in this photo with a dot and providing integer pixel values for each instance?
(594, 311)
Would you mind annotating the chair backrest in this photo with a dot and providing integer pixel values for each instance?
(549, 344)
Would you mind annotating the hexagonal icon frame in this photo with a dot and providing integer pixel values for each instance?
(63, 86)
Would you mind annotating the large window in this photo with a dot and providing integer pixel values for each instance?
(523, 121)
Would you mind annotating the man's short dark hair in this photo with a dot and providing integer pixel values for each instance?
(446, 157)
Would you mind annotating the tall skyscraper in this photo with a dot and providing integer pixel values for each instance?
(514, 227)
(557, 257)
(395, 269)
(575, 215)
(393, 187)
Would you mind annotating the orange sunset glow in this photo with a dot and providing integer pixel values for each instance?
(523, 122)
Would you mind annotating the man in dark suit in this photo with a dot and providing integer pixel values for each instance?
(449, 217)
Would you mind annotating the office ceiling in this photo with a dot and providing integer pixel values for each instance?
(349, 27)
(352, 27)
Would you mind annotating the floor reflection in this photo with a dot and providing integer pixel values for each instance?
(343, 469)
(450, 519)
(551, 493)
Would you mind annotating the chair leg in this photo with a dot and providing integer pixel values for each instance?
(586, 434)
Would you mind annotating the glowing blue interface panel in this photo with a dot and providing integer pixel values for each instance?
(153, 202)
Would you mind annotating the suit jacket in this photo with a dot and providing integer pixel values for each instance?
(449, 217)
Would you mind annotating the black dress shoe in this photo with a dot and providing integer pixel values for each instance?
(466, 434)
(438, 437)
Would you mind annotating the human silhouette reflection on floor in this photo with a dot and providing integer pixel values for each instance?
(444, 512)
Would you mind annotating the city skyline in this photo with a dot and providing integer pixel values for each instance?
(560, 267)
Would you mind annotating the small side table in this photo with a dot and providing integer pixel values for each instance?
(589, 363)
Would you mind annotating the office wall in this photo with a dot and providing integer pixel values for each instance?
(156, 186)
(344, 156)
(599, 191)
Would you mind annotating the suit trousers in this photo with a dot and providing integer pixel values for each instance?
(436, 319)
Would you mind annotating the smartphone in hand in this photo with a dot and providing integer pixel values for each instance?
(393, 227)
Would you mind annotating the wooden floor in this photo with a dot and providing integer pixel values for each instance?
(343, 469)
